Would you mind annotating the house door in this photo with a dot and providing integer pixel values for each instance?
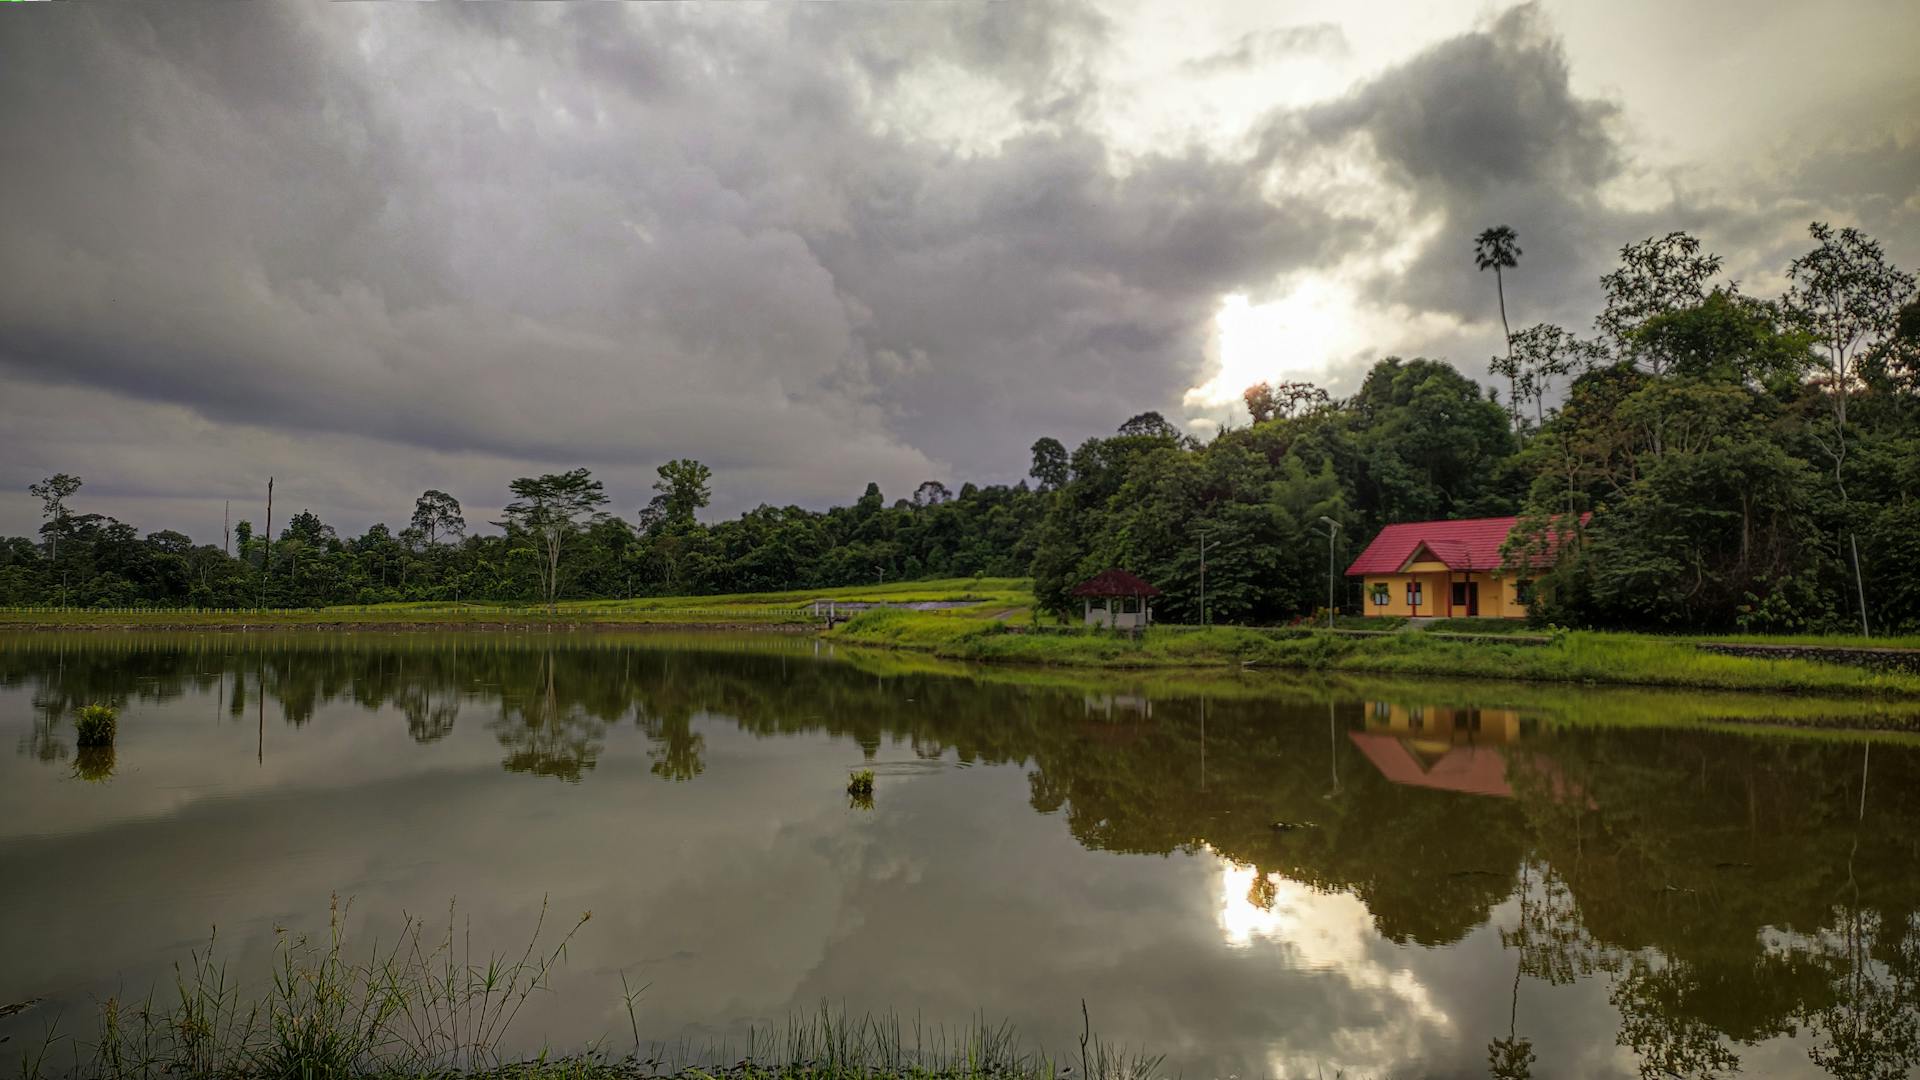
(1466, 595)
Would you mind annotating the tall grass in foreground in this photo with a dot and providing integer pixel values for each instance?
(422, 1006)
(827, 1046)
(427, 1007)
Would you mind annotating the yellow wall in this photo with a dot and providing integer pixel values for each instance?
(1443, 723)
(1498, 597)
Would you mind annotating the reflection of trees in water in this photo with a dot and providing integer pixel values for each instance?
(677, 752)
(429, 717)
(546, 736)
(1672, 863)
(1662, 1026)
(44, 741)
(1870, 1026)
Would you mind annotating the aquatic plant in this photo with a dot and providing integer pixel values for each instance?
(860, 784)
(95, 724)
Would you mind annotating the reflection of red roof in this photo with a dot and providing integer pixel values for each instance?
(1476, 770)
(1472, 544)
(1114, 583)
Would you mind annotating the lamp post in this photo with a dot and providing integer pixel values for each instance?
(1333, 534)
(1203, 579)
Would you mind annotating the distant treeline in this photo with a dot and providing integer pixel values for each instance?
(1750, 463)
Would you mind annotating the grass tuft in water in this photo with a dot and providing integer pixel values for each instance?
(96, 724)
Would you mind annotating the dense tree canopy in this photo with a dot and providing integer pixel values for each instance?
(1738, 456)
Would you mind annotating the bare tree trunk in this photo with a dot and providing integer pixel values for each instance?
(266, 553)
(1513, 397)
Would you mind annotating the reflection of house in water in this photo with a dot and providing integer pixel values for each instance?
(1444, 748)
(1107, 704)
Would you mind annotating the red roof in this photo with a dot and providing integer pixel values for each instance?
(1472, 544)
(1114, 583)
(1475, 770)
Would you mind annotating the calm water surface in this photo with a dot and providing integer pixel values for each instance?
(1626, 899)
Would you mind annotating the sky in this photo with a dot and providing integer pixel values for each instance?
(374, 249)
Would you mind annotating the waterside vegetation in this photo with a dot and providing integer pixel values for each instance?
(1560, 656)
(426, 1007)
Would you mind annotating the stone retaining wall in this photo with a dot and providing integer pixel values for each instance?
(1904, 660)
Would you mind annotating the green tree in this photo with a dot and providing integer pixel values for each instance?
(549, 509)
(53, 493)
(1498, 249)
(684, 489)
(1149, 425)
(437, 514)
(1655, 277)
(1847, 297)
(1049, 469)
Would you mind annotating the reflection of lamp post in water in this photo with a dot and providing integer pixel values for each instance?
(1333, 751)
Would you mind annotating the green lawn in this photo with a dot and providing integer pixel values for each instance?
(983, 631)
(1583, 657)
(993, 597)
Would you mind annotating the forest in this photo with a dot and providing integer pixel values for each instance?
(1716, 460)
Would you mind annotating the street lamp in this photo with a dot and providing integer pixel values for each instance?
(1203, 578)
(1333, 534)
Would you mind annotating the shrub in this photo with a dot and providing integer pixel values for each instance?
(95, 725)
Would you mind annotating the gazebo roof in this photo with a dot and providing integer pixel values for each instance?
(1114, 583)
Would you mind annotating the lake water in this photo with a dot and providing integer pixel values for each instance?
(1614, 879)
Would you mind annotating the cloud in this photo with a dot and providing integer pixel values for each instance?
(812, 246)
(608, 237)
(1257, 47)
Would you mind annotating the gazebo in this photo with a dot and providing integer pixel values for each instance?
(1126, 602)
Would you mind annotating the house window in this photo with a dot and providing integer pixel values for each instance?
(1414, 594)
(1382, 594)
(1523, 592)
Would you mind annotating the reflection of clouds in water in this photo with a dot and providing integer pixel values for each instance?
(1331, 934)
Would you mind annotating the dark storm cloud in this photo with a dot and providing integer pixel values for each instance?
(1479, 130)
(810, 245)
(610, 235)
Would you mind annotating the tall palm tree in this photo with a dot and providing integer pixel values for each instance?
(1496, 249)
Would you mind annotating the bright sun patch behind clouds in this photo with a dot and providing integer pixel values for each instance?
(1308, 334)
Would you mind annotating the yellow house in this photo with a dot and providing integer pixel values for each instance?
(1449, 569)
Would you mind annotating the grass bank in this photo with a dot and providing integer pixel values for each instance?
(1006, 597)
(426, 1006)
(1579, 657)
(1848, 718)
